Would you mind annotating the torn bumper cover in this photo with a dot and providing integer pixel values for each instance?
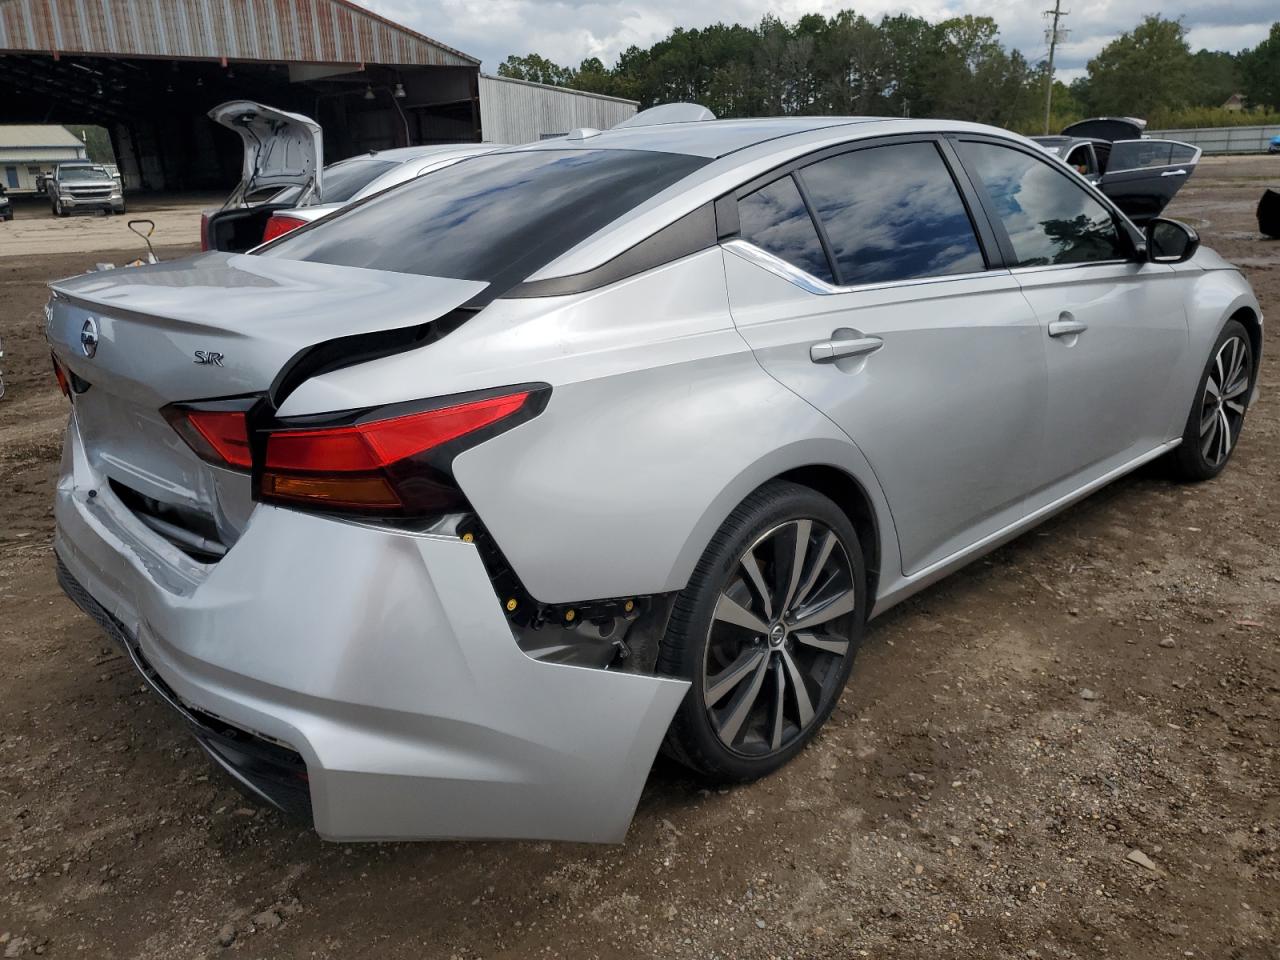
(379, 658)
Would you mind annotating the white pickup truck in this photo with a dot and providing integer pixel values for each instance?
(83, 186)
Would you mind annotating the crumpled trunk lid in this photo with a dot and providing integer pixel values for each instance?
(213, 326)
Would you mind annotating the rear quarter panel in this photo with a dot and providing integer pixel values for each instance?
(660, 422)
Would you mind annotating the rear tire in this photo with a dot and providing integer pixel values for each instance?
(768, 648)
(1217, 414)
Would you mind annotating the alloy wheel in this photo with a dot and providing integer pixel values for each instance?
(775, 647)
(1223, 404)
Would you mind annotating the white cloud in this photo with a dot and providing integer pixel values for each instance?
(567, 31)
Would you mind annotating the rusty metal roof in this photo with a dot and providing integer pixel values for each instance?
(298, 31)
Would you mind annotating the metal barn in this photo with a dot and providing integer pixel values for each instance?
(150, 70)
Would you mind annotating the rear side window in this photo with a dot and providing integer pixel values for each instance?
(1137, 154)
(342, 180)
(1181, 152)
(892, 213)
(496, 218)
(1050, 218)
(775, 218)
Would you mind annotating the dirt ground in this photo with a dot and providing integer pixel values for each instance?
(34, 230)
(1107, 683)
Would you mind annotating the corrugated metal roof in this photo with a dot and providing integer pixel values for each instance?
(37, 135)
(298, 31)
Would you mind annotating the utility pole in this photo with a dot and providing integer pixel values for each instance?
(1053, 35)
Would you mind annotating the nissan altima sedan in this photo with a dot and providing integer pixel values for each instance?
(439, 517)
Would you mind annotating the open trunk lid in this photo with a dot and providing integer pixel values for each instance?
(208, 327)
(281, 149)
(1106, 128)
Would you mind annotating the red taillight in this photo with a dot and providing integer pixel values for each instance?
(378, 464)
(64, 383)
(218, 436)
(279, 225)
(204, 230)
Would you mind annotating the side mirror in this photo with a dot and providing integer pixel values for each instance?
(1170, 241)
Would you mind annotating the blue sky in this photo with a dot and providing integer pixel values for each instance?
(569, 30)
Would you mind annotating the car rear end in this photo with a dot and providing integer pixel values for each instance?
(306, 590)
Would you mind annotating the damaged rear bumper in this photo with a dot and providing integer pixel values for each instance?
(380, 660)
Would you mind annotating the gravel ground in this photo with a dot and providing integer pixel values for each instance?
(1067, 750)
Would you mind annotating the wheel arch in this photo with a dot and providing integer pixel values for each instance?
(1252, 323)
(834, 468)
(847, 493)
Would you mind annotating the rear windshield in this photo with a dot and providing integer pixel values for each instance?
(496, 218)
(343, 179)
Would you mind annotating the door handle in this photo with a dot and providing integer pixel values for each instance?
(1174, 173)
(828, 351)
(1064, 328)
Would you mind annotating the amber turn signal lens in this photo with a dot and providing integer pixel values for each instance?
(337, 491)
(64, 384)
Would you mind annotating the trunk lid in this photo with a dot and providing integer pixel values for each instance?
(1106, 128)
(212, 326)
(281, 149)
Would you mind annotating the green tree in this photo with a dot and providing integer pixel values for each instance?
(1260, 71)
(1142, 71)
(1215, 76)
(536, 69)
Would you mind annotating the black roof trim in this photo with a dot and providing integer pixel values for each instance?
(693, 232)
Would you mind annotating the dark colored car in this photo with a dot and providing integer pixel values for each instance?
(1141, 174)
(6, 208)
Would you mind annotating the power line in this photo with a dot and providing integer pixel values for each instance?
(1053, 36)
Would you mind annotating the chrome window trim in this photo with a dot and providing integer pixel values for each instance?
(810, 284)
(1074, 266)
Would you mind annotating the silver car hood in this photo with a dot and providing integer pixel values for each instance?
(281, 149)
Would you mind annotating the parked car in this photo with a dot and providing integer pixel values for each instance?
(283, 186)
(6, 208)
(437, 516)
(1274, 146)
(1139, 173)
(83, 185)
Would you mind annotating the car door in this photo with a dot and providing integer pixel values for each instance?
(1142, 176)
(860, 281)
(1113, 324)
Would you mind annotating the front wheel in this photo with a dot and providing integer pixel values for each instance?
(1217, 414)
(766, 630)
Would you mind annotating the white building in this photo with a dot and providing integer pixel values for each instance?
(30, 149)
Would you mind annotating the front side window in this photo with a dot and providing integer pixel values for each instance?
(775, 218)
(1050, 218)
(496, 218)
(892, 213)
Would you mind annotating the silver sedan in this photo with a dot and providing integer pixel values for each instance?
(440, 516)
